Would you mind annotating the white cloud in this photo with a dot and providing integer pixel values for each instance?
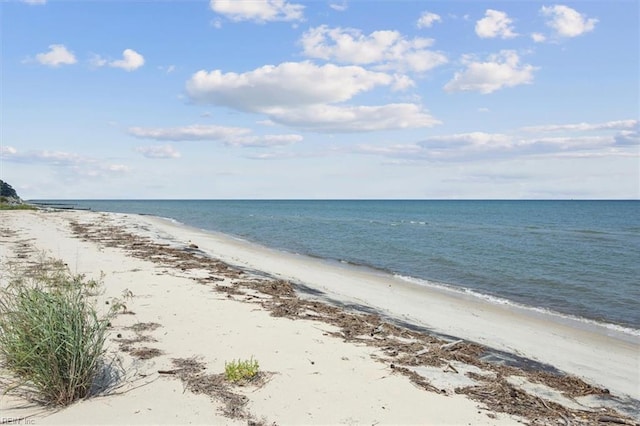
(266, 122)
(481, 145)
(478, 140)
(158, 151)
(131, 60)
(189, 133)
(340, 7)
(495, 24)
(54, 158)
(538, 37)
(116, 168)
(7, 151)
(301, 95)
(291, 84)
(57, 55)
(264, 141)
(34, 2)
(427, 19)
(384, 49)
(500, 71)
(232, 136)
(567, 22)
(97, 61)
(167, 69)
(345, 119)
(258, 10)
(609, 125)
(628, 137)
(69, 165)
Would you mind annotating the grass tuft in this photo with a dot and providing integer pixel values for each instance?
(51, 337)
(241, 371)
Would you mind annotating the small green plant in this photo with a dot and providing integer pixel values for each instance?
(51, 337)
(241, 371)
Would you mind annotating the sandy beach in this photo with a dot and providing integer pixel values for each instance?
(336, 344)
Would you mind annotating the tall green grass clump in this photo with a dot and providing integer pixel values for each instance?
(51, 337)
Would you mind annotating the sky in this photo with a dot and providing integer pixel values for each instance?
(323, 99)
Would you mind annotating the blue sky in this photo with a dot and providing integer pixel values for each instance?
(320, 99)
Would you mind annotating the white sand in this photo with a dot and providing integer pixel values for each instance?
(317, 379)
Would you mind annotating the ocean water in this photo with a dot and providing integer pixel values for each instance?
(575, 258)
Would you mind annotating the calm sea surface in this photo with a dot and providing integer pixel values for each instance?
(578, 258)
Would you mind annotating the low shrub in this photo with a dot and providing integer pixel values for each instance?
(10, 206)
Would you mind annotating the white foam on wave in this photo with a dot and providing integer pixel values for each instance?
(172, 220)
(505, 302)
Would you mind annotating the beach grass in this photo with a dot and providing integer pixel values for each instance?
(51, 337)
(241, 371)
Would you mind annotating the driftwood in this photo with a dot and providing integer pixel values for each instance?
(451, 346)
(611, 419)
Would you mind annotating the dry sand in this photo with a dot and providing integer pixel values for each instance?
(320, 364)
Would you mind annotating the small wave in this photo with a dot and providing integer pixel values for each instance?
(505, 302)
(590, 232)
(172, 220)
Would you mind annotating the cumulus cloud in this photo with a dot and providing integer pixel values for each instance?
(567, 22)
(301, 94)
(291, 84)
(500, 71)
(131, 60)
(386, 50)
(57, 55)
(188, 133)
(258, 10)
(345, 119)
(495, 24)
(427, 19)
(158, 151)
